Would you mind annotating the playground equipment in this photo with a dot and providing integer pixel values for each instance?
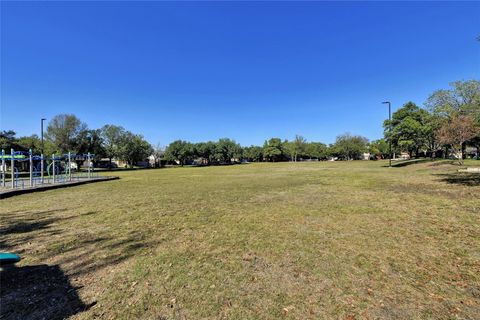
(42, 170)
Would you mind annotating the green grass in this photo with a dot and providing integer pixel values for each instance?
(262, 241)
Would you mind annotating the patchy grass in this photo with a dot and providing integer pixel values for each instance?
(342, 240)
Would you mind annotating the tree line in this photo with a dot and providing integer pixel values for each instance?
(448, 123)
(67, 133)
(226, 151)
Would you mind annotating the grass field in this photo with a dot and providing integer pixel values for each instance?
(341, 240)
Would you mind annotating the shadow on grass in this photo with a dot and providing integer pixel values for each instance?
(461, 178)
(17, 224)
(404, 163)
(44, 291)
(90, 255)
(38, 292)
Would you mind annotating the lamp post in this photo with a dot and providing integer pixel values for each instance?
(390, 131)
(41, 132)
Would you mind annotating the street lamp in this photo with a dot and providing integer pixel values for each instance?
(41, 132)
(390, 131)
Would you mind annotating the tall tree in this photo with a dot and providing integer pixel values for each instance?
(206, 151)
(296, 147)
(91, 141)
(134, 148)
(158, 153)
(273, 149)
(8, 140)
(30, 143)
(63, 130)
(226, 150)
(379, 148)
(350, 147)
(288, 148)
(409, 128)
(456, 131)
(180, 151)
(463, 98)
(112, 137)
(316, 150)
(253, 153)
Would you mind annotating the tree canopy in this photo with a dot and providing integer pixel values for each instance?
(350, 147)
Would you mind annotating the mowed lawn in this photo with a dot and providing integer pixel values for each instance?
(325, 240)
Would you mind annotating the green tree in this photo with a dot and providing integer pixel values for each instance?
(226, 150)
(30, 142)
(206, 151)
(180, 151)
(463, 98)
(64, 130)
(253, 153)
(288, 148)
(112, 136)
(316, 150)
(350, 147)
(409, 128)
(299, 143)
(134, 148)
(433, 122)
(379, 148)
(8, 140)
(273, 149)
(91, 141)
(295, 148)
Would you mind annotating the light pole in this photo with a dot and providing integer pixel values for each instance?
(389, 131)
(41, 132)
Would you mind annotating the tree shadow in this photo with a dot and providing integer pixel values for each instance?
(82, 254)
(91, 255)
(38, 292)
(44, 291)
(461, 178)
(24, 227)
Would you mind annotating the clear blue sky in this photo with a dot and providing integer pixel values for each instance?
(248, 71)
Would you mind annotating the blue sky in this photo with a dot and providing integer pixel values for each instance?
(248, 71)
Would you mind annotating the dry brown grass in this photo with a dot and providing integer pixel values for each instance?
(262, 241)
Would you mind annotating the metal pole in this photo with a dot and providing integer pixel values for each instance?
(69, 166)
(390, 131)
(31, 167)
(88, 162)
(53, 168)
(12, 167)
(41, 133)
(4, 169)
(41, 168)
(390, 140)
